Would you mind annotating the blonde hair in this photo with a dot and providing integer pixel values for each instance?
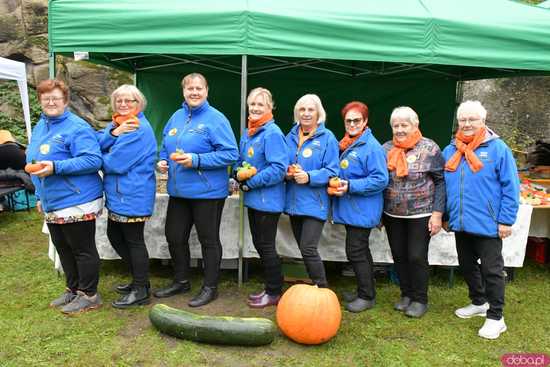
(191, 76)
(266, 94)
(133, 91)
(474, 105)
(405, 112)
(318, 105)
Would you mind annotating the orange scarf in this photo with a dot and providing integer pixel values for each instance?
(397, 159)
(349, 140)
(465, 145)
(302, 138)
(254, 125)
(119, 119)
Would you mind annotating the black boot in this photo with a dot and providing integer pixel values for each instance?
(205, 296)
(173, 289)
(123, 288)
(137, 296)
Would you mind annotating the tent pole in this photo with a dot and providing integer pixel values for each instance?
(51, 69)
(244, 80)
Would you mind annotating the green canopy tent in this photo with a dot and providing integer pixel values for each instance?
(385, 53)
(399, 52)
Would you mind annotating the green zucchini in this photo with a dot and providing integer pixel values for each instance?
(212, 329)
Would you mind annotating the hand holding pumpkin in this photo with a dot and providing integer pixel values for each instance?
(245, 171)
(46, 170)
(301, 177)
(292, 169)
(337, 186)
(33, 167)
(127, 127)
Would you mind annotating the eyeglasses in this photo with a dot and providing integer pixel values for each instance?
(125, 101)
(470, 120)
(356, 121)
(51, 99)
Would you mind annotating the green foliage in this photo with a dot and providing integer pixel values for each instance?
(35, 335)
(14, 120)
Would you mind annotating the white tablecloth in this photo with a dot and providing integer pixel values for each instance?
(442, 250)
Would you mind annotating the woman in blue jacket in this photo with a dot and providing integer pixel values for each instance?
(313, 160)
(263, 147)
(359, 198)
(69, 193)
(129, 153)
(482, 203)
(198, 146)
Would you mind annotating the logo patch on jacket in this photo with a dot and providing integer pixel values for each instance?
(484, 155)
(316, 143)
(307, 153)
(250, 152)
(45, 148)
(344, 163)
(173, 132)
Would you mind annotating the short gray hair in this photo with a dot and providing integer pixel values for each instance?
(265, 93)
(133, 91)
(474, 105)
(316, 101)
(186, 79)
(405, 112)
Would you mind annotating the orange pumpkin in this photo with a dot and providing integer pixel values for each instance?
(33, 167)
(308, 314)
(246, 172)
(332, 190)
(334, 182)
(293, 168)
(178, 154)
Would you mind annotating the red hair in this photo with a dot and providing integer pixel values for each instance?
(356, 106)
(48, 85)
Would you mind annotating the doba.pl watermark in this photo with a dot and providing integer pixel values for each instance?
(525, 360)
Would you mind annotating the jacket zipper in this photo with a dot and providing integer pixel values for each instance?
(177, 144)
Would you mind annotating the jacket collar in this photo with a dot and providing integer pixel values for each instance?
(56, 119)
(194, 110)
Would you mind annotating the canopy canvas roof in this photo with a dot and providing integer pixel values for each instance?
(386, 53)
(15, 70)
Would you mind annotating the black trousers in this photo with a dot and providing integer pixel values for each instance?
(360, 257)
(486, 280)
(409, 239)
(307, 232)
(263, 227)
(206, 215)
(127, 240)
(75, 244)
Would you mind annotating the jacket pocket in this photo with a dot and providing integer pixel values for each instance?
(204, 179)
(491, 211)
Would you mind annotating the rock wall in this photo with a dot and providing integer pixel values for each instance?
(24, 37)
(517, 107)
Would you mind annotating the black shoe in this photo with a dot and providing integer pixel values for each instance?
(205, 296)
(173, 289)
(349, 296)
(416, 309)
(137, 296)
(360, 304)
(403, 303)
(123, 288)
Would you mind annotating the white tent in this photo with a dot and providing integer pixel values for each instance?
(15, 70)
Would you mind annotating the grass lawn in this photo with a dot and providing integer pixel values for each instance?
(34, 335)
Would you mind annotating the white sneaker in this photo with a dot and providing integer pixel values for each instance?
(472, 310)
(492, 329)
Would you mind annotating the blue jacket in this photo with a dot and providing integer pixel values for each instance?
(206, 133)
(478, 202)
(266, 150)
(363, 165)
(129, 169)
(70, 143)
(318, 156)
